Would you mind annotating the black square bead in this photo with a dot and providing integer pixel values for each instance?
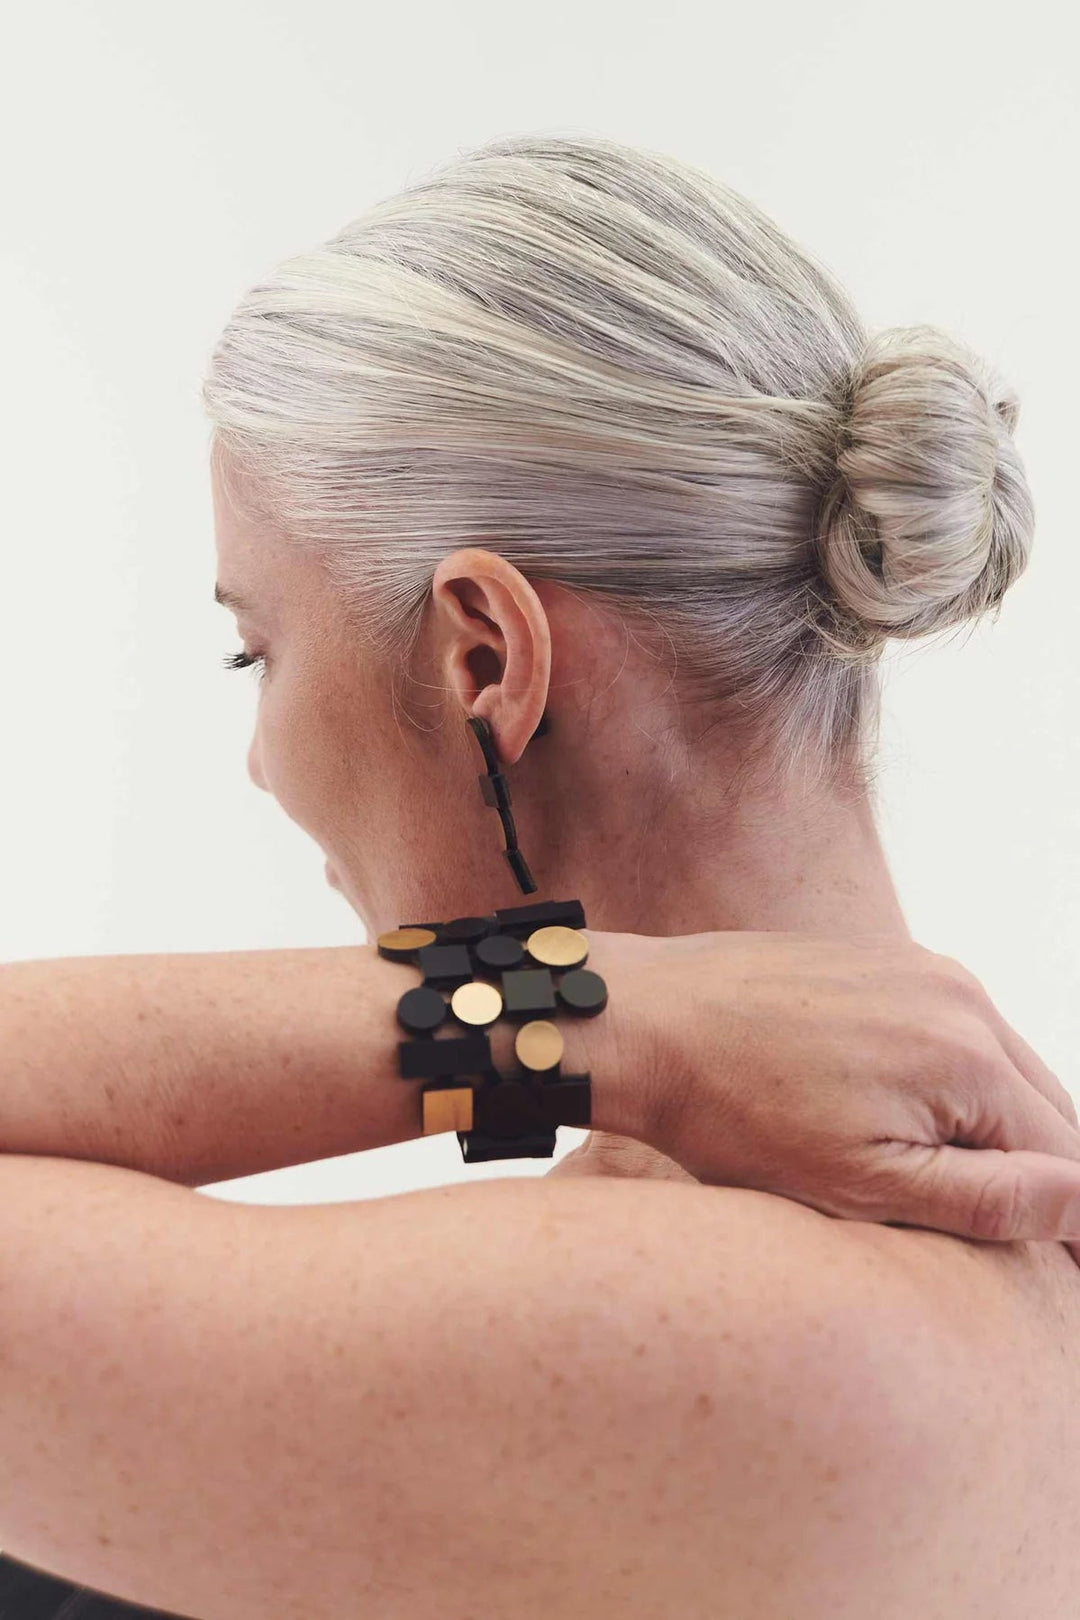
(567, 1100)
(528, 991)
(432, 1059)
(541, 914)
(477, 1147)
(445, 966)
(496, 791)
(509, 1108)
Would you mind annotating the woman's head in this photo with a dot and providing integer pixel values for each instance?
(567, 424)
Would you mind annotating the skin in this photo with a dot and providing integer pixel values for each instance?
(508, 1396)
(667, 857)
(354, 752)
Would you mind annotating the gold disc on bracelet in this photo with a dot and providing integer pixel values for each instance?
(477, 1003)
(557, 947)
(399, 943)
(539, 1045)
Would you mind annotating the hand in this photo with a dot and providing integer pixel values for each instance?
(604, 1154)
(856, 1075)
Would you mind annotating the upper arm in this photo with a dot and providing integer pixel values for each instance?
(512, 1396)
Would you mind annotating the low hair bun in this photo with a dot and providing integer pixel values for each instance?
(929, 518)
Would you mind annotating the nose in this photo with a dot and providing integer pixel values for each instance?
(254, 768)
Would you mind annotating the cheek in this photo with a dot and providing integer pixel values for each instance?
(294, 755)
(378, 797)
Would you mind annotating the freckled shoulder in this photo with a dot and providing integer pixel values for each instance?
(562, 1397)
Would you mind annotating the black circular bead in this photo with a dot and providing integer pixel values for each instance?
(583, 991)
(421, 1010)
(465, 930)
(499, 951)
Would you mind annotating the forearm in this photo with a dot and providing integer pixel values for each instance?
(202, 1067)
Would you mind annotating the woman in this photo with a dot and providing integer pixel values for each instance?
(569, 433)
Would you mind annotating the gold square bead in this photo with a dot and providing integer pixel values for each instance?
(450, 1110)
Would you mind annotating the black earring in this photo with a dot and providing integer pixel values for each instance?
(496, 793)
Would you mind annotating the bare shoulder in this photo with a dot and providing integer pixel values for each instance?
(926, 1390)
(575, 1396)
(896, 1388)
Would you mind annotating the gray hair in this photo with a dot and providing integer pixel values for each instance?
(621, 375)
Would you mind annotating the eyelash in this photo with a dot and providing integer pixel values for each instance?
(240, 660)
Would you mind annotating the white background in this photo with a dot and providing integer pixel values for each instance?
(158, 159)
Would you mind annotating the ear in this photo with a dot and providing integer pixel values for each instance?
(493, 641)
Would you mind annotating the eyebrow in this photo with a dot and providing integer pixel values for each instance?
(230, 599)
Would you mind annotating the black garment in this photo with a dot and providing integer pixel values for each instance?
(30, 1594)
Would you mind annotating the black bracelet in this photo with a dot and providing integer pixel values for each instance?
(522, 963)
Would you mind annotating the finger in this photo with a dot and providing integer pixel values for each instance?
(985, 1193)
(1024, 1055)
(1041, 1076)
(571, 1164)
(1009, 1113)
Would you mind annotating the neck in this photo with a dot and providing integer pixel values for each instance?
(688, 862)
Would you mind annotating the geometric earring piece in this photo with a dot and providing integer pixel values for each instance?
(495, 790)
